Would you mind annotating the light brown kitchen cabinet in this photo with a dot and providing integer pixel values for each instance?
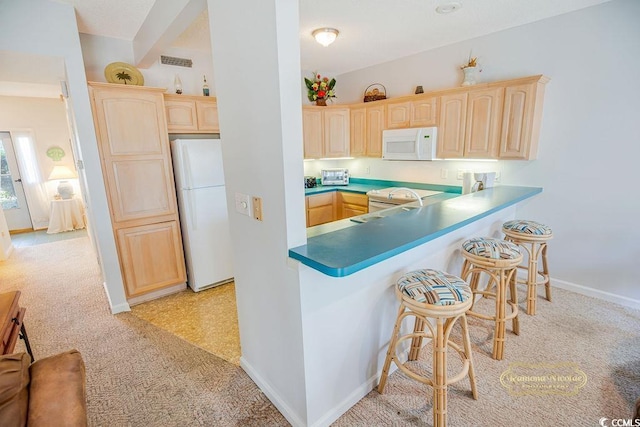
(367, 124)
(191, 114)
(484, 115)
(451, 126)
(151, 257)
(136, 163)
(321, 208)
(521, 119)
(352, 204)
(399, 115)
(326, 132)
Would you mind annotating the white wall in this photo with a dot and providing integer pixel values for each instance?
(41, 27)
(99, 52)
(588, 153)
(261, 135)
(47, 119)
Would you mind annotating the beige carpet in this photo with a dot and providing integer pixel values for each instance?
(141, 375)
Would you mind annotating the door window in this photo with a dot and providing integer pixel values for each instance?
(8, 198)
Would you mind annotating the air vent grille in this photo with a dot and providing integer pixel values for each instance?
(172, 60)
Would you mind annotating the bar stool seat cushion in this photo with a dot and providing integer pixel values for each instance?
(527, 227)
(434, 287)
(491, 248)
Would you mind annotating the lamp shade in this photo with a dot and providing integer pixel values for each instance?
(325, 36)
(61, 172)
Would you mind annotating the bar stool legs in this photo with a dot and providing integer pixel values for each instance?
(445, 316)
(533, 237)
(498, 260)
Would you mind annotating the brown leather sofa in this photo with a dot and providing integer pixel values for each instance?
(50, 392)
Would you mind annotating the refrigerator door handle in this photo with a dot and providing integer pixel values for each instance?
(192, 209)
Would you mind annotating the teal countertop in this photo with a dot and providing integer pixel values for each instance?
(344, 247)
(362, 185)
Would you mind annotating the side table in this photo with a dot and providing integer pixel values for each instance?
(66, 215)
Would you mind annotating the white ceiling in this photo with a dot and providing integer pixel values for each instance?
(371, 31)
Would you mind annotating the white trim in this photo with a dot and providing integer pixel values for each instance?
(274, 397)
(174, 289)
(115, 309)
(359, 393)
(596, 293)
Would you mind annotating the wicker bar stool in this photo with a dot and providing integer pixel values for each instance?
(433, 294)
(532, 236)
(498, 260)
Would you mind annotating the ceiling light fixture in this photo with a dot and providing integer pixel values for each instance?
(325, 36)
(450, 7)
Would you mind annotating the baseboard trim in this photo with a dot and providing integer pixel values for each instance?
(596, 293)
(271, 394)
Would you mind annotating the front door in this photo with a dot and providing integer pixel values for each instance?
(12, 197)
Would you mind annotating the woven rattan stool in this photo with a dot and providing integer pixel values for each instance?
(498, 260)
(532, 236)
(432, 294)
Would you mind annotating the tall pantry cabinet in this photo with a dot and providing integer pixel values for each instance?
(136, 163)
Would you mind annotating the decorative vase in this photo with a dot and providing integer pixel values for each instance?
(469, 76)
(321, 102)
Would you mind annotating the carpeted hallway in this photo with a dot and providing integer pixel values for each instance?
(141, 375)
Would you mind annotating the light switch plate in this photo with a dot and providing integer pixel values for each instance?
(257, 208)
(243, 205)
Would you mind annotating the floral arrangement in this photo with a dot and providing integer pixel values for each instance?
(473, 62)
(320, 87)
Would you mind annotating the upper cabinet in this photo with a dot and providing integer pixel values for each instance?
(521, 119)
(367, 124)
(498, 120)
(326, 132)
(191, 114)
(415, 113)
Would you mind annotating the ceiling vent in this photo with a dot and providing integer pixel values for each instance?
(172, 60)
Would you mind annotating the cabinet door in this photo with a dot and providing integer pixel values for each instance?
(352, 204)
(336, 132)
(321, 208)
(375, 126)
(399, 115)
(207, 112)
(358, 127)
(517, 120)
(181, 116)
(452, 125)
(423, 112)
(134, 145)
(484, 113)
(151, 257)
(312, 133)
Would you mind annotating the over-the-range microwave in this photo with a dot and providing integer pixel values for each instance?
(410, 144)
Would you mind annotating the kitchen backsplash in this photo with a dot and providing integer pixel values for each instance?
(435, 172)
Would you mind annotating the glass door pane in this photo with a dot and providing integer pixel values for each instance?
(8, 198)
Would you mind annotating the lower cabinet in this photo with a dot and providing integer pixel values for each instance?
(352, 204)
(151, 257)
(321, 208)
(328, 207)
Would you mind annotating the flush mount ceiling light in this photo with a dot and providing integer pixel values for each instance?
(448, 7)
(325, 36)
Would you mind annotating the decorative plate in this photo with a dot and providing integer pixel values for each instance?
(123, 73)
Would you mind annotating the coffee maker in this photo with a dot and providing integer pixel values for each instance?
(477, 181)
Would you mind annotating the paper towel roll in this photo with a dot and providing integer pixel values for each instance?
(467, 182)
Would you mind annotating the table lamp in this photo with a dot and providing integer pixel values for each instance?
(62, 174)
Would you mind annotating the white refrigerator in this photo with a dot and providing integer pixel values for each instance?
(202, 203)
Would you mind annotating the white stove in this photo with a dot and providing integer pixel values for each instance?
(393, 196)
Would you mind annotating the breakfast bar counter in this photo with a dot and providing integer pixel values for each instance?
(345, 247)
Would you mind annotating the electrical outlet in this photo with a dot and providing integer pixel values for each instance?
(242, 204)
(498, 176)
(460, 173)
(444, 173)
(367, 170)
(257, 208)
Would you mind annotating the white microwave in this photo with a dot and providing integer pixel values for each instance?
(409, 144)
